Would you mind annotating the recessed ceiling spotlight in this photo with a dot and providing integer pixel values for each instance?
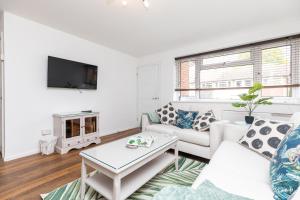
(124, 3)
(146, 3)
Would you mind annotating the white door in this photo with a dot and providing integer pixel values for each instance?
(148, 89)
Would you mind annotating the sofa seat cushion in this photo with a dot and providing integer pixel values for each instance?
(192, 136)
(231, 182)
(186, 135)
(162, 128)
(239, 171)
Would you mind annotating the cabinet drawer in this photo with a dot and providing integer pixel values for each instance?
(71, 143)
(91, 138)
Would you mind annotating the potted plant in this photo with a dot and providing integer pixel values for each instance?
(250, 101)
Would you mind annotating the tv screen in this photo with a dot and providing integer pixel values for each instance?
(70, 74)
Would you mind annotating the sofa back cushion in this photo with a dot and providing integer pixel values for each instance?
(201, 108)
(295, 119)
(285, 167)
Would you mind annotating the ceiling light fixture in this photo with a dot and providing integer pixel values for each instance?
(124, 3)
(146, 3)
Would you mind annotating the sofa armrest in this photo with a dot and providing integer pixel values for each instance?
(216, 135)
(234, 132)
(145, 121)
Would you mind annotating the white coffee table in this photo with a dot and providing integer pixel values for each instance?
(121, 171)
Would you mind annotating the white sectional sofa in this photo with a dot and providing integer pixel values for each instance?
(202, 144)
(238, 170)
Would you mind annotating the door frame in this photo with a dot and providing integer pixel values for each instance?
(2, 65)
(158, 65)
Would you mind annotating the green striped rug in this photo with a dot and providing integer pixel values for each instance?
(188, 171)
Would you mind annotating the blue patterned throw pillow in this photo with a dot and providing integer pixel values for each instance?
(185, 119)
(285, 167)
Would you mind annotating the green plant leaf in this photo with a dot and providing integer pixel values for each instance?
(249, 101)
(255, 88)
(239, 105)
(263, 101)
(248, 97)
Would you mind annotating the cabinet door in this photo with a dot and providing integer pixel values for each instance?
(90, 124)
(72, 127)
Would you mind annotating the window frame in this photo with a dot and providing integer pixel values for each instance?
(255, 60)
(227, 64)
(179, 76)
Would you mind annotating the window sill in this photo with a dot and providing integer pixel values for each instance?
(294, 101)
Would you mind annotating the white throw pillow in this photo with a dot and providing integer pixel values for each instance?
(167, 114)
(202, 122)
(265, 135)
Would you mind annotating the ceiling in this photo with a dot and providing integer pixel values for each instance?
(165, 25)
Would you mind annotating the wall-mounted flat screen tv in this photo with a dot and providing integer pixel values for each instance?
(64, 73)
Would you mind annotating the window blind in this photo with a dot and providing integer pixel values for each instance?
(229, 72)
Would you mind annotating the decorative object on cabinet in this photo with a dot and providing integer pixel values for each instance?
(76, 130)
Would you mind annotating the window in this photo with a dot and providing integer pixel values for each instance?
(276, 70)
(227, 58)
(224, 74)
(187, 77)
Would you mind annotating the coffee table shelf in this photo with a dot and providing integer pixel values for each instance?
(133, 181)
(120, 170)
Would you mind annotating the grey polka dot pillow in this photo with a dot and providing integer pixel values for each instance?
(264, 136)
(202, 122)
(167, 114)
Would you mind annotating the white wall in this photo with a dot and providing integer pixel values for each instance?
(1, 68)
(252, 34)
(29, 104)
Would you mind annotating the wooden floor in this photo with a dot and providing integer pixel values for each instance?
(27, 178)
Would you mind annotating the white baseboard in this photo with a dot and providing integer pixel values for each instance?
(117, 131)
(36, 151)
(21, 155)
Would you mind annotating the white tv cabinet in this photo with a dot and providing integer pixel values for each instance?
(76, 130)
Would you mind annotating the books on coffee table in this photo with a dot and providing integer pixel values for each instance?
(140, 141)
